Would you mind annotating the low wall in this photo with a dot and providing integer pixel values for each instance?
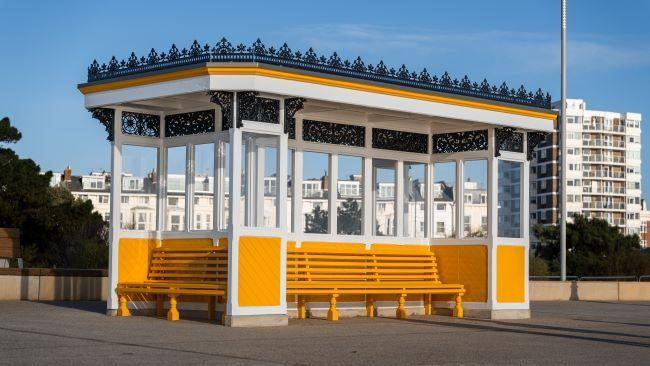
(589, 291)
(53, 284)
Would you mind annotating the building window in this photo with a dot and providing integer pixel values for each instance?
(176, 163)
(349, 195)
(315, 192)
(509, 199)
(414, 198)
(474, 186)
(385, 173)
(444, 195)
(139, 170)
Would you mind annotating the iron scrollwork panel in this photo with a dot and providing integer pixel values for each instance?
(225, 100)
(291, 107)
(534, 139)
(333, 133)
(508, 139)
(105, 116)
(140, 124)
(400, 141)
(460, 141)
(191, 123)
(250, 107)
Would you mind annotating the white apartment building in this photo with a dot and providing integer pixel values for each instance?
(603, 169)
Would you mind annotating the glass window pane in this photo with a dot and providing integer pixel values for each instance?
(475, 199)
(175, 210)
(384, 172)
(414, 199)
(444, 197)
(270, 186)
(225, 184)
(139, 188)
(349, 195)
(315, 188)
(290, 190)
(509, 210)
(203, 186)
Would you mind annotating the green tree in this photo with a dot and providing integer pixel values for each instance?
(57, 230)
(316, 221)
(349, 218)
(594, 247)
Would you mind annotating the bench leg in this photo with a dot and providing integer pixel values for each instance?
(333, 313)
(221, 300)
(211, 307)
(458, 309)
(123, 310)
(172, 314)
(302, 308)
(427, 304)
(370, 307)
(400, 313)
(160, 305)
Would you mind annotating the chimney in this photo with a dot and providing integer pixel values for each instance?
(67, 174)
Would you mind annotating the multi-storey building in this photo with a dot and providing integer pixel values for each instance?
(603, 169)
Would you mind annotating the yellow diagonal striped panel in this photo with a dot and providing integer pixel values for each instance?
(259, 271)
(133, 259)
(464, 264)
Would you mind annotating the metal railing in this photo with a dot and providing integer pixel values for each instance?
(602, 205)
(603, 159)
(601, 127)
(643, 278)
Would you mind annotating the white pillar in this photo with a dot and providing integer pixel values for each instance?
(114, 233)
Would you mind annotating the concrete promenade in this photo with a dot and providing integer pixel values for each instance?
(568, 332)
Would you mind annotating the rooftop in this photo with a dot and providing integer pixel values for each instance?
(224, 51)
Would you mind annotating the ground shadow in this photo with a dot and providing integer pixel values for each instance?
(98, 307)
(529, 331)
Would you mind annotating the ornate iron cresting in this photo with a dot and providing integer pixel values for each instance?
(333, 133)
(460, 141)
(225, 100)
(400, 141)
(191, 123)
(105, 116)
(224, 51)
(291, 106)
(508, 139)
(534, 139)
(250, 107)
(140, 124)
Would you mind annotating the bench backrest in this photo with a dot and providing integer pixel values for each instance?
(200, 264)
(369, 265)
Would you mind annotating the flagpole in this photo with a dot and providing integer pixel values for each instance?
(564, 169)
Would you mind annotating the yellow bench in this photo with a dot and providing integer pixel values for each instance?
(334, 272)
(173, 272)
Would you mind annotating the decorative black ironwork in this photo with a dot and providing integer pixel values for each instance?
(191, 123)
(140, 124)
(224, 51)
(333, 133)
(508, 139)
(105, 116)
(250, 107)
(533, 139)
(400, 141)
(460, 141)
(291, 106)
(225, 100)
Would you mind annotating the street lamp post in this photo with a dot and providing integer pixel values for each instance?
(563, 133)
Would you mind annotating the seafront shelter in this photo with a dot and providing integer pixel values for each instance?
(263, 183)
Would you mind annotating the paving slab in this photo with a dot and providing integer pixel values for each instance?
(570, 332)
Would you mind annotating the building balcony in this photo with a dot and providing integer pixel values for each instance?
(603, 205)
(601, 190)
(603, 159)
(603, 174)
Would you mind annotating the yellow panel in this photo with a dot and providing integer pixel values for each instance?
(511, 273)
(186, 243)
(222, 242)
(133, 259)
(259, 271)
(466, 265)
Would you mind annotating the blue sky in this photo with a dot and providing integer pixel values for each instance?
(47, 47)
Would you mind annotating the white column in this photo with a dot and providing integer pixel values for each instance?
(281, 187)
(493, 211)
(333, 194)
(368, 204)
(430, 206)
(116, 197)
(235, 226)
(298, 217)
(189, 186)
